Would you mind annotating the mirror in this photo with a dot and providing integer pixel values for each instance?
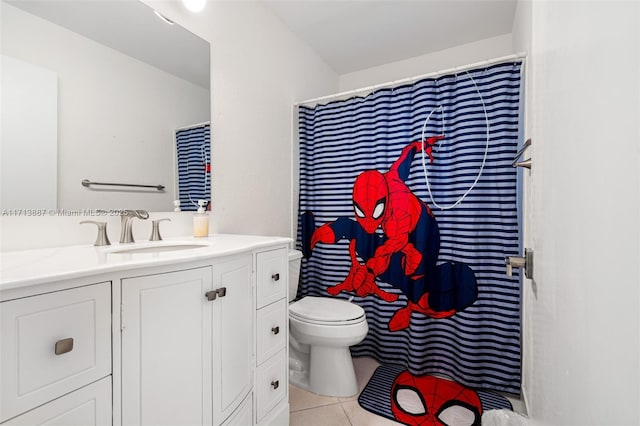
(96, 90)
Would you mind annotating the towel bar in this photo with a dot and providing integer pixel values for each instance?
(87, 183)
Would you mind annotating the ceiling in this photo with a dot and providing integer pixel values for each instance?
(351, 35)
(132, 28)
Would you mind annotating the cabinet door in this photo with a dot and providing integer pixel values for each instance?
(243, 416)
(89, 406)
(232, 335)
(166, 349)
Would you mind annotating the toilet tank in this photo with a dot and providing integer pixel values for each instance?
(295, 259)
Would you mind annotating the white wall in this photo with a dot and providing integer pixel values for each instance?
(108, 129)
(259, 69)
(582, 327)
(481, 50)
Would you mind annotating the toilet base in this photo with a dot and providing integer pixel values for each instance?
(336, 375)
(332, 372)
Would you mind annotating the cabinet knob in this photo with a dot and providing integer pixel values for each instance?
(275, 277)
(275, 384)
(63, 346)
(275, 330)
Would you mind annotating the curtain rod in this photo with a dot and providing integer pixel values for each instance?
(193, 126)
(454, 70)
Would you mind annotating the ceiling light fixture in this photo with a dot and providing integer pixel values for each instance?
(164, 18)
(194, 5)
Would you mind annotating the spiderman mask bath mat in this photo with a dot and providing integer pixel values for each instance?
(396, 394)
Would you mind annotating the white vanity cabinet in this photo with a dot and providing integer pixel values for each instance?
(53, 345)
(195, 336)
(272, 321)
(186, 344)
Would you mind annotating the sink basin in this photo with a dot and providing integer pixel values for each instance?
(159, 248)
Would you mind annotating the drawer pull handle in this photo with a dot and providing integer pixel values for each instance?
(63, 346)
(275, 330)
(275, 277)
(212, 295)
(275, 384)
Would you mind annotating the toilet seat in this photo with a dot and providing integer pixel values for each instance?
(326, 311)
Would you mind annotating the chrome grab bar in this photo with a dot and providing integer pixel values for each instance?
(87, 183)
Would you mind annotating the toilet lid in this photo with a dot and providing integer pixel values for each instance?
(325, 309)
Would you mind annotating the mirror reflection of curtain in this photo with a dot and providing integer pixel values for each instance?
(193, 150)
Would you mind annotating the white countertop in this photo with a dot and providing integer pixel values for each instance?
(31, 267)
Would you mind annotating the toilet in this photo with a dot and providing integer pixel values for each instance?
(321, 330)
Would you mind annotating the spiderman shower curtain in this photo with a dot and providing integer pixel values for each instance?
(408, 204)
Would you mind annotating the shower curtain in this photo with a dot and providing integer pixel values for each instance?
(193, 150)
(408, 204)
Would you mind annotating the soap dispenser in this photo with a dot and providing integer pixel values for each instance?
(201, 220)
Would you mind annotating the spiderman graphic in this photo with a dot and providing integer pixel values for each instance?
(428, 400)
(405, 254)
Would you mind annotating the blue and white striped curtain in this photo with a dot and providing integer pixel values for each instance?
(479, 346)
(194, 165)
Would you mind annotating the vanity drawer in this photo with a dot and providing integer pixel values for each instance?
(272, 270)
(271, 329)
(271, 383)
(89, 406)
(53, 344)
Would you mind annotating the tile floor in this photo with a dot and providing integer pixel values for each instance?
(309, 409)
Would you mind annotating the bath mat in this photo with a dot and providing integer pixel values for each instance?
(396, 394)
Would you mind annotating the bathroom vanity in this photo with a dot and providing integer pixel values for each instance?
(184, 332)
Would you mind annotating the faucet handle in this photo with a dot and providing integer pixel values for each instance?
(155, 229)
(103, 238)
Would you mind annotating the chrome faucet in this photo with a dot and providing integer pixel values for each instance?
(126, 231)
